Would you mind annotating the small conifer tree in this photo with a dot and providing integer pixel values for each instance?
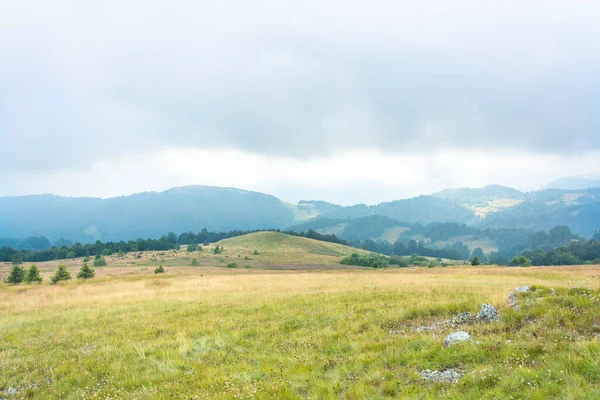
(194, 262)
(475, 261)
(86, 272)
(16, 275)
(33, 274)
(61, 274)
(159, 270)
(255, 252)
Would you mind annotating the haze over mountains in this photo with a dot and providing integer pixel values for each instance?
(192, 208)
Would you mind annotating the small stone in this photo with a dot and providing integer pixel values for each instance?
(11, 391)
(488, 313)
(460, 336)
(448, 375)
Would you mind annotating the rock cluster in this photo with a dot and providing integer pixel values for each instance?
(448, 375)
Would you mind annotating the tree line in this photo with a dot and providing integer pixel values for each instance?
(166, 242)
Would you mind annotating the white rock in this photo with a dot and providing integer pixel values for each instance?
(460, 336)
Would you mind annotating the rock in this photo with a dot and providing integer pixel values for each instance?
(449, 375)
(11, 391)
(523, 289)
(460, 336)
(488, 313)
(512, 298)
(461, 319)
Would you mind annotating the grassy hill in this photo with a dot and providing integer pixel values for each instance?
(275, 248)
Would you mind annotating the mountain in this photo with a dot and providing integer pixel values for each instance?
(146, 215)
(545, 209)
(573, 183)
(422, 209)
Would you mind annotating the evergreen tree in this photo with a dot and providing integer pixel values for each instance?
(86, 272)
(475, 261)
(159, 270)
(194, 262)
(16, 276)
(61, 274)
(33, 274)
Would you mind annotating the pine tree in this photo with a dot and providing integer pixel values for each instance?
(159, 270)
(61, 274)
(33, 274)
(86, 272)
(475, 261)
(16, 275)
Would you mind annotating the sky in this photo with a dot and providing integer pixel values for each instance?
(346, 101)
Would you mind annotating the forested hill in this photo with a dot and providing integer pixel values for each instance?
(146, 215)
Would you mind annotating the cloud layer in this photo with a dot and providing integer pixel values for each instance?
(80, 83)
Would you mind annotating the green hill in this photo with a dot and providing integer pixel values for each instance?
(275, 248)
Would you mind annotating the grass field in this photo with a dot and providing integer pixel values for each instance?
(214, 332)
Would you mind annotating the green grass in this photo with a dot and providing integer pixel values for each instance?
(219, 333)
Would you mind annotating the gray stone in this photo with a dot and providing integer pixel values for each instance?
(461, 319)
(488, 313)
(523, 289)
(11, 391)
(460, 336)
(448, 375)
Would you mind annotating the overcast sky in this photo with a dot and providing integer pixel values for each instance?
(346, 101)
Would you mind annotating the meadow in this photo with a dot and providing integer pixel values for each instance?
(280, 331)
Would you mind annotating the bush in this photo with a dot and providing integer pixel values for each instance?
(232, 265)
(194, 262)
(217, 250)
(475, 261)
(86, 272)
(192, 247)
(256, 252)
(33, 274)
(99, 261)
(159, 270)
(61, 274)
(16, 275)
(71, 254)
(372, 260)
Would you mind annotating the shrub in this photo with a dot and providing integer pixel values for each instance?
(159, 270)
(99, 261)
(217, 250)
(16, 275)
(86, 259)
(61, 274)
(475, 261)
(71, 254)
(194, 262)
(192, 247)
(372, 260)
(255, 252)
(232, 265)
(86, 272)
(33, 274)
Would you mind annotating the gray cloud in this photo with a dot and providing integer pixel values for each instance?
(83, 82)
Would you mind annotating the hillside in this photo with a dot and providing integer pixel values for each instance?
(422, 209)
(145, 215)
(275, 248)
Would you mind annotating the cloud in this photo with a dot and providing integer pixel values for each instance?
(85, 82)
(345, 178)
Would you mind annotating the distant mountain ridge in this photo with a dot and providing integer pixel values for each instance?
(573, 183)
(192, 208)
